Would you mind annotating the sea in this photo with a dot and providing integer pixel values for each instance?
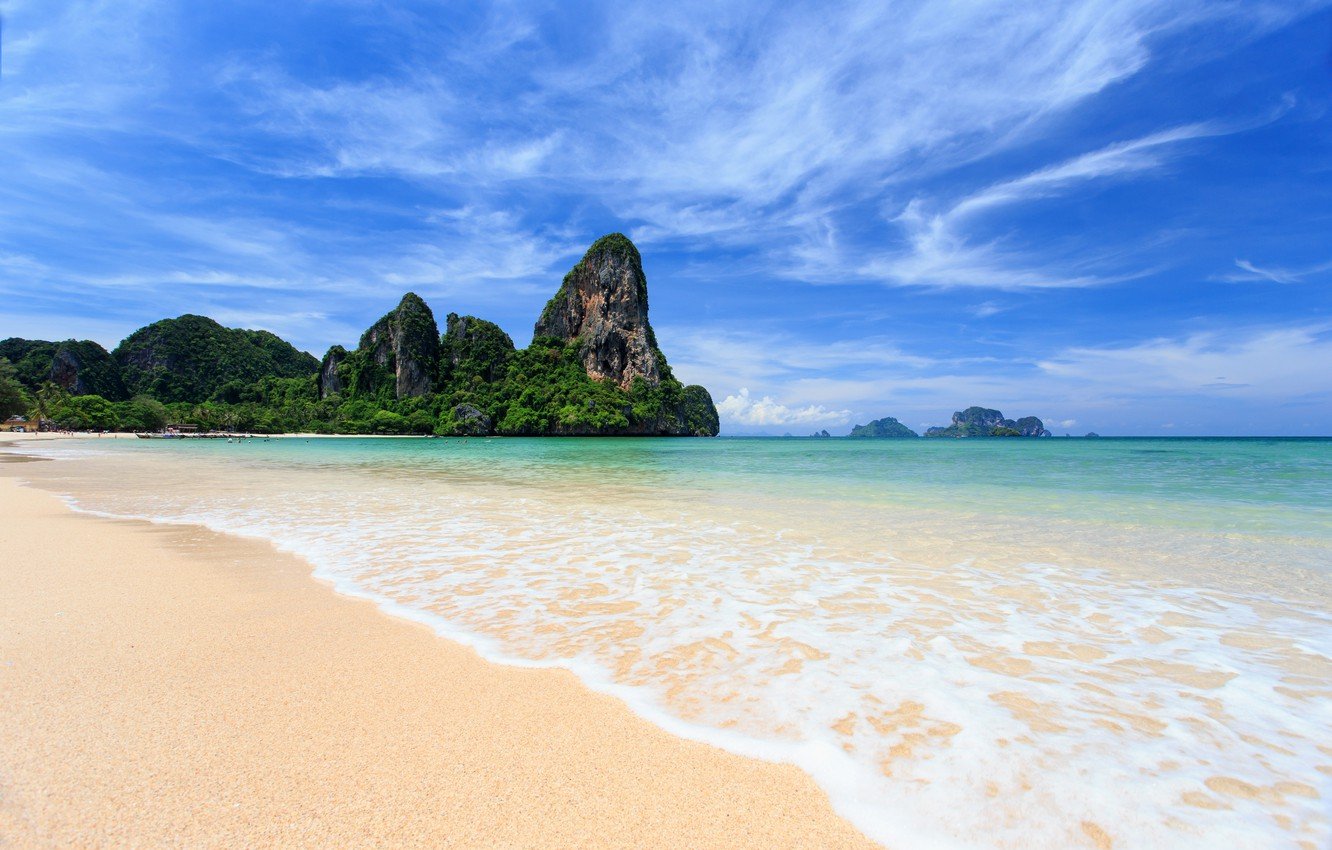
(1051, 643)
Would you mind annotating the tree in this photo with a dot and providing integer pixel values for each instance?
(88, 413)
(47, 400)
(12, 399)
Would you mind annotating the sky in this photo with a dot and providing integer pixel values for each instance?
(1114, 215)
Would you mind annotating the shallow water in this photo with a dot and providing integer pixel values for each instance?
(1054, 643)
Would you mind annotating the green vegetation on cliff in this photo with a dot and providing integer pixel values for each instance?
(189, 358)
(78, 366)
(30, 358)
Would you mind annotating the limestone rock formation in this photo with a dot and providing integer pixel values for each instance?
(888, 427)
(190, 357)
(330, 382)
(471, 422)
(405, 342)
(82, 367)
(473, 348)
(78, 366)
(603, 304)
(599, 319)
(1031, 426)
(987, 422)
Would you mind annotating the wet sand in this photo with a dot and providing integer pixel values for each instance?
(172, 686)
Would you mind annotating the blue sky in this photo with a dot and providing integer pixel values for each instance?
(1114, 215)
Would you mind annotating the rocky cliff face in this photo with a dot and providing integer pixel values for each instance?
(987, 422)
(1031, 426)
(473, 348)
(600, 318)
(406, 343)
(82, 367)
(603, 305)
(78, 366)
(330, 382)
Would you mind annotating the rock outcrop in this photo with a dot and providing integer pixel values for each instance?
(330, 381)
(1030, 426)
(599, 318)
(190, 357)
(603, 305)
(888, 427)
(79, 367)
(473, 348)
(82, 367)
(471, 422)
(987, 422)
(405, 342)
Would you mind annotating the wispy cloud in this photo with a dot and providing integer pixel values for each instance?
(1249, 272)
(941, 254)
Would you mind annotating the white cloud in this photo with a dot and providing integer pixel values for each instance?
(1277, 363)
(741, 409)
(1273, 274)
(940, 254)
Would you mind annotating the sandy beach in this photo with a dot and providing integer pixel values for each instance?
(172, 686)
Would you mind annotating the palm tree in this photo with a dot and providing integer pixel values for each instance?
(48, 398)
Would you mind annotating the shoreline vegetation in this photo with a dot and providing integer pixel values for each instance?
(172, 685)
(593, 369)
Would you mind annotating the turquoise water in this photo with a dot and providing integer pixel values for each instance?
(1221, 484)
(1008, 643)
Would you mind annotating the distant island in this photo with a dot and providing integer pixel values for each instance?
(888, 427)
(593, 369)
(972, 422)
(985, 422)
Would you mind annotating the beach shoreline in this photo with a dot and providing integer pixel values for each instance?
(173, 685)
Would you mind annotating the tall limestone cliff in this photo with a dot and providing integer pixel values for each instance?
(472, 349)
(603, 304)
(405, 342)
(330, 381)
(600, 317)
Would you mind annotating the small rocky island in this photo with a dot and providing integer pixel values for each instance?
(985, 422)
(885, 428)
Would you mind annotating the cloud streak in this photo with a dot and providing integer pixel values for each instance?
(1249, 271)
